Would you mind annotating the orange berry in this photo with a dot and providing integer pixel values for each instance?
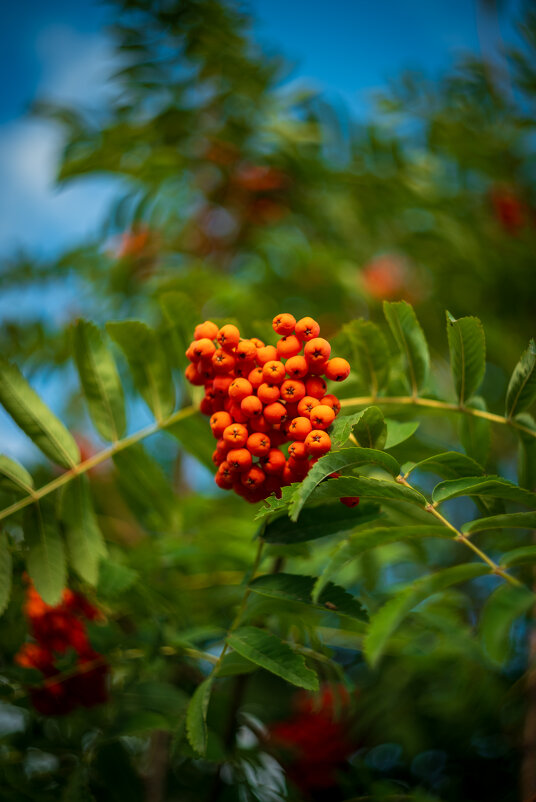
(254, 477)
(267, 353)
(207, 329)
(221, 385)
(317, 352)
(243, 369)
(299, 428)
(292, 390)
(256, 342)
(224, 476)
(219, 422)
(236, 434)
(203, 348)
(245, 351)
(204, 368)
(239, 460)
(274, 462)
(274, 372)
(288, 346)
(315, 387)
(337, 369)
(239, 388)
(306, 405)
(284, 323)
(190, 353)
(258, 444)
(255, 378)
(228, 337)
(333, 402)
(299, 468)
(235, 411)
(258, 424)
(222, 362)
(307, 328)
(296, 450)
(206, 407)
(268, 393)
(275, 413)
(218, 457)
(350, 501)
(297, 367)
(193, 376)
(318, 442)
(322, 416)
(251, 406)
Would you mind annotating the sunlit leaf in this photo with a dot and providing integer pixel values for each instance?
(85, 544)
(467, 346)
(35, 418)
(488, 486)
(521, 390)
(100, 380)
(45, 559)
(411, 341)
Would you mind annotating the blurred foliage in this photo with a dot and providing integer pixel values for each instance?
(239, 196)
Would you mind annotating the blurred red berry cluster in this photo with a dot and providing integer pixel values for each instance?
(315, 742)
(58, 631)
(260, 397)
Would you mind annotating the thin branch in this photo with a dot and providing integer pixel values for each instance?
(96, 459)
(461, 538)
(432, 403)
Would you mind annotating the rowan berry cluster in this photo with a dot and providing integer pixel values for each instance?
(58, 631)
(261, 398)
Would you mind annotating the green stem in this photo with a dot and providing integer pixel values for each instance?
(461, 538)
(432, 403)
(96, 459)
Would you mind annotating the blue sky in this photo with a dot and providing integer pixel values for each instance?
(60, 49)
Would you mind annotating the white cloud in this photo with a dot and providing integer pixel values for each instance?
(34, 212)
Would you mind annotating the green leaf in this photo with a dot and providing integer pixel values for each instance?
(77, 786)
(196, 716)
(489, 486)
(520, 556)
(35, 418)
(467, 346)
(526, 455)
(449, 465)
(365, 539)
(85, 545)
(144, 722)
(391, 615)
(146, 488)
(514, 520)
(499, 613)
(342, 427)
(370, 430)
(6, 568)
(13, 476)
(234, 664)
(298, 588)
(318, 522)
(336, 461)
(45, 560)
(411, 341)
(475, 433)
(100, 381)
(399, 431)
(272, 654)
(115, 578)
(195, 436)
(180, 318)
(160, 697)
(365, 487)
(367, 351)
(148, 363)
(521, 390)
